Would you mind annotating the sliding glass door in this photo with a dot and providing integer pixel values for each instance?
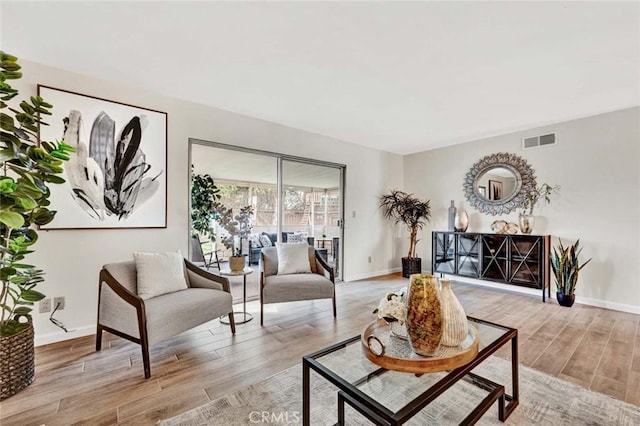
(312, 207)
(293, 199)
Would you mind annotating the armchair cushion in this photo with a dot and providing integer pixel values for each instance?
(293, 287)
(293, 258)
(159, 273)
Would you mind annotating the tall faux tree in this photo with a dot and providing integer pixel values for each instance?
(28, 166)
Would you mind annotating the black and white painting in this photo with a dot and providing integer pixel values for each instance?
(117, 178)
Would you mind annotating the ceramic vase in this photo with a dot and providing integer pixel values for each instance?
(461, 221)
(454, 320)
(424, 314)
(526, 223)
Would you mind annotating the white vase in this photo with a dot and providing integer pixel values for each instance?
(455, 326)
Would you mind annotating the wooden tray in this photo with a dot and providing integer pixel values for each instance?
(395, 353)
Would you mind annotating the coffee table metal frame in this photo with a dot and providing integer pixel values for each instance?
(381, 415)
(243, 316)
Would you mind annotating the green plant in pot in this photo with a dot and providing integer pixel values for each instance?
(566, 267)
(28, 167)
(414, 214)
(238, 227)
(531, 199)
(205, 196)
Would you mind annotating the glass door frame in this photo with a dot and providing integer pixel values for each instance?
(280, 186)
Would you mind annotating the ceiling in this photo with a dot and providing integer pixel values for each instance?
(397, 76)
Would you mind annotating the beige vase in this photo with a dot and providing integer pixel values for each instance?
(455, 326)
(424, 314)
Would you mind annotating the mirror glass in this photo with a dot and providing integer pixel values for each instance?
(497, 183)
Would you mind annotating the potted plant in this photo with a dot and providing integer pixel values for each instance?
(204, 204)
(414, 214)
(566, 266)
(531, 198)
(238, 228)
(28, 166)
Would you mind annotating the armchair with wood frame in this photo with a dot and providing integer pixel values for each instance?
(274, 288)
(148, 321)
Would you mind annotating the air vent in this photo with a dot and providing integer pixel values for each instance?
(539, 141)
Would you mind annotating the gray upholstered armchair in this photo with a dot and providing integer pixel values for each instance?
(122, 312)
(274, 288)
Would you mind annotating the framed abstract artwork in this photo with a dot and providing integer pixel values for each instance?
(117, 178)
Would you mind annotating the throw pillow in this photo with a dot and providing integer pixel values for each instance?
(254, 241)
(296, 238)
(159, 273)
(293, 258)
(265, 240)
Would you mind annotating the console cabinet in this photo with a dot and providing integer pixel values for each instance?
(521, 260)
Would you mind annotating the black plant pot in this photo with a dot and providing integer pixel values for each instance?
(565, 299)
(411, 265)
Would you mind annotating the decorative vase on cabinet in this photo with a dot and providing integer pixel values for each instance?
(527, 221)
(424, 314)
(461, 221)
(454, 320)
(452, 216)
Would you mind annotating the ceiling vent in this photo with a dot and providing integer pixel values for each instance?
(539, 141)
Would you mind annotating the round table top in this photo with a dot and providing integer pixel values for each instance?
(229, 272)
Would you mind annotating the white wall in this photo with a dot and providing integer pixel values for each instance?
(72, 258)
(597, 164)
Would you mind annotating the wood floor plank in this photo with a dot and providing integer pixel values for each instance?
(76, 385)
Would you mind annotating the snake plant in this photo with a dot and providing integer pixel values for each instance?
(566, 266)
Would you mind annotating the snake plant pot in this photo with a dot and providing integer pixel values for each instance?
(565, 299)
(17, 362)
(236, 263)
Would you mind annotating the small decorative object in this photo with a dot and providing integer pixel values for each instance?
(392, 308)
(504, 227)
(531, 198)
(414, 214)
(455, 327)
(424, 314)
(527, 221)
(381, 348)
(452, 216)
(461, 221)
(566, 266)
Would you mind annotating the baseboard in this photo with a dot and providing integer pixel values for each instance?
(358, 277)
(608, 305)
(60, 336)
(535, 292)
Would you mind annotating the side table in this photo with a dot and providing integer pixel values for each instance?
(244, 316)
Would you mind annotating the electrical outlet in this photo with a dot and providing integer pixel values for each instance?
(59, 302)
(369, 259)
(45, 305)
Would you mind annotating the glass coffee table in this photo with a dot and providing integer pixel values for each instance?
(389, 397)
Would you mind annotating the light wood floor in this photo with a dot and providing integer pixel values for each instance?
(595, 348)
